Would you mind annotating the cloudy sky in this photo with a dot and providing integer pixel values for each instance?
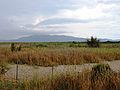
(79, 18)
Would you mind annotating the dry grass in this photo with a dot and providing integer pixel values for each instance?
(99, 79)
(77, 81)
(59, 56)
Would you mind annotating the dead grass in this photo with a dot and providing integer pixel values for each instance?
(62, 56)
(59, 56)
(77, 81)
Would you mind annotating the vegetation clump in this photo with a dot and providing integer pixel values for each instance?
(101, 70)
(93, 42)
(15, 47)
(3, 67)
(101, 78)
(67, 82)
(12, 47)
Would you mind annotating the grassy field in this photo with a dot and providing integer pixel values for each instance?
(59, 53)
(62, 53)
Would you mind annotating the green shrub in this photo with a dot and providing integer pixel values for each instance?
(12, 47)
(19, 48)
(93, 42)
(15, 47)
(41, 45)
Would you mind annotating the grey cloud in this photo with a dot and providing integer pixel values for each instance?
(62, 21)
(25, 7)
(54, 25)
(109, 1)
(10, 30)
(28, 9)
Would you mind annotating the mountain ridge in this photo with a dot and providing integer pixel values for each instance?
(51, 38)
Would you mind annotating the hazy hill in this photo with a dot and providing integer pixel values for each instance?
(50, 38)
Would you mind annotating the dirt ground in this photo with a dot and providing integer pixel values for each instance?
(28, 72)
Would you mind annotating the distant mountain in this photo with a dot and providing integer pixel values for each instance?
(50, 38)
(47, 38)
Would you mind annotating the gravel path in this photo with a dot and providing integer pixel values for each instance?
(27, 72)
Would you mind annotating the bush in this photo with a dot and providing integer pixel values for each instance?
(41, 45)
(93, 42)
(19, 48)
(3, 67)
(101, 70)
(101, 76)
(15, 47)
(12, 47)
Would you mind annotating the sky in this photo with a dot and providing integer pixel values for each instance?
(78, 18)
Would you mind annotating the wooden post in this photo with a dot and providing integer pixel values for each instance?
(52, 76)
(17, 71)
(16, 49)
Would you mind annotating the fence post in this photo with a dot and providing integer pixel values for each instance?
(52, 76)
(16, 49)
(17, 71)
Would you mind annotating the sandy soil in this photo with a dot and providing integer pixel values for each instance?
(27, 72)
